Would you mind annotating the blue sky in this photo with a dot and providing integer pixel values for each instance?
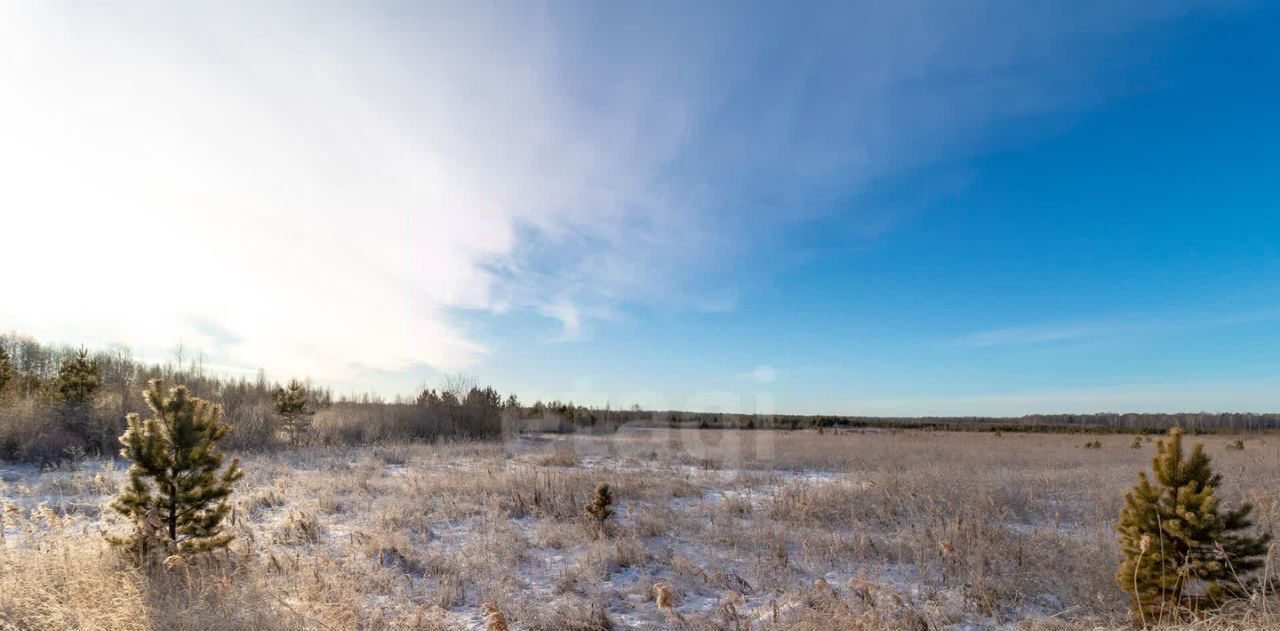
(887, 208)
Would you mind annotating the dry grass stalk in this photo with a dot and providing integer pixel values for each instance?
(948, 550)
(664, 597)
(494, 619)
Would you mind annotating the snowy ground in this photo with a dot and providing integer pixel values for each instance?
(742, 541)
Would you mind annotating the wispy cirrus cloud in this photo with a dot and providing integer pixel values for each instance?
(1110, 326)
(1034, 334)
(333, 187)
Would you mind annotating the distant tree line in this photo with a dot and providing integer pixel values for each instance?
(62, 403)
(570, 417)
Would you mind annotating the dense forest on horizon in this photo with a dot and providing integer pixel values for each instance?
(58, 402)
(573, 417)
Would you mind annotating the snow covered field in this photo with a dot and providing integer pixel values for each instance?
(749, 530)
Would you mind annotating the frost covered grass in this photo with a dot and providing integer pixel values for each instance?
(712, 530)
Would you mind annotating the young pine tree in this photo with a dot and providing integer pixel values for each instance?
(6, 369)
(177, 497)
(1180, 552)
(601, 507)
(291, 405)
(79, 379)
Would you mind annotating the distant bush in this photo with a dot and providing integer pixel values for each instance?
(601, 508)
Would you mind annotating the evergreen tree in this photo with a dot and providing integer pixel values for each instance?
(177, 497)
(6, 369)
(1180, 552)
(428, 398)
(79, 379)
(291, 405)
(482, 412)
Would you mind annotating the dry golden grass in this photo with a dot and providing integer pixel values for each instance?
(493, 618)
(753, 530)
(663, 596)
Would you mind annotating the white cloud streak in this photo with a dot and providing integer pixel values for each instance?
(1128, 326)
(761, 374)
(326, 189)
(1034, 334)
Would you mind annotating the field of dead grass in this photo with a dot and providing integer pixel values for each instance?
(742, 530)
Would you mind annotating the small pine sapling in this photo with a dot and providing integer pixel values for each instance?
(291, 404)
(178, 488)
(79, 379)
(6, 369)
(1180, 552)
(601, 507)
